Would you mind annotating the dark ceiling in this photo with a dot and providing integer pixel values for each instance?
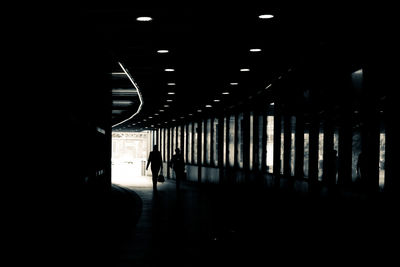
(207, 48)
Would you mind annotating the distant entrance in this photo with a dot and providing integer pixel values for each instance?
(129, 155)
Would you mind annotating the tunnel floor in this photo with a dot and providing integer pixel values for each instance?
(221, 226)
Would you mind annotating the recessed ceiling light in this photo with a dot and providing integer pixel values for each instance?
(244, 70)
(122, 102)
(118, 73)
(272, 104)
(162, 51)
(156, 114)
(199, 110)
(169, 100)
(171, 93)
(217, 100)
(161, 110)
(171, 84)
(225, 93)
(166, 106)
(234, 83)
(169, 70)
(190, 114)
(266, 16)
(144, 18)
(255, 50)
(208, 106)
(150, 117)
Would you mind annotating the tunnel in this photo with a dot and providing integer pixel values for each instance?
(283, 115)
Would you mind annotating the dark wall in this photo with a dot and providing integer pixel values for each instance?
(59, 133)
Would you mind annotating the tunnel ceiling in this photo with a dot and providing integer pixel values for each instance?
(208, 48)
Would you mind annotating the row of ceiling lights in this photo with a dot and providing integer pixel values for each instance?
(165, 51)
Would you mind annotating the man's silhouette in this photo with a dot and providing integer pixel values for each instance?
(178, 165)
(156, 164)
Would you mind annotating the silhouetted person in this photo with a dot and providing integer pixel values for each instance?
(361, 168)
(178, 165)
(332, 166)
(156, 164)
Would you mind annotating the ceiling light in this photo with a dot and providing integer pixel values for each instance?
(166, 106)
(266, 16)
(272, 104)
(244, 69)
(217, 100)
(208, 106)
(156, 114)
(255, 50)
(144, 18)
(117, 73)
(169, 70)
(161, 110)
(199, 110)
(171, 84)
(162, 51)
(169, 100)
(171, 93)
(190, 114)
(234, 83)
(122, 102)
(150, 117)
(225, 93)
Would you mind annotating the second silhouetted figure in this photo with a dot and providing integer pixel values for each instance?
(178, 165)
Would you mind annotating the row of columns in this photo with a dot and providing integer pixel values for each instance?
(370, 146)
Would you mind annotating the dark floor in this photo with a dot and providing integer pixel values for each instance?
(218, 226)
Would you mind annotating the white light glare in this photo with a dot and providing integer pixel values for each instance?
(162, 51)
(244, 70)
(234, 83)
(169, 70)
(255, 50)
